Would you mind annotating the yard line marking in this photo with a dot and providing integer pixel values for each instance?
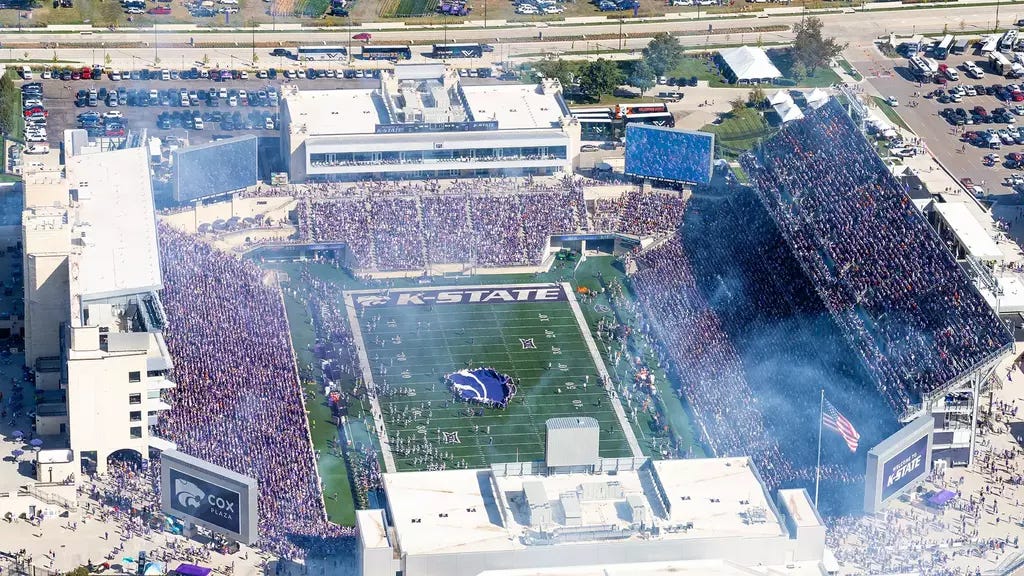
(599, 362)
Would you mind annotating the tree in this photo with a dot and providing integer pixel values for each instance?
(641, 76)
(797, 72)
(756, 97)
(557, 68)
(10, 106)
(599, 77)
(810, 48)
(738, 105)
(663, 53)
(106, 59)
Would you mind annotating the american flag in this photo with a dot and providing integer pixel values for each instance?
(833, 420)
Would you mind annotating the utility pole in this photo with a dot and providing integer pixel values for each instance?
(996, 27)
(620, 34)
(253, 24)
(156, 48)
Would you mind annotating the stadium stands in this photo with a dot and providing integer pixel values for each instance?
(403, 229)
(238, 402)
(892, 286)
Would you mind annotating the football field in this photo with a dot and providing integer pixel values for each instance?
(409, 340)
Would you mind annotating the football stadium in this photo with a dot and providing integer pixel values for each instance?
(622, 365)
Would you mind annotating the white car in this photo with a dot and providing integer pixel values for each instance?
(553, 10)
(47, 74)
(233, 101)
(970, 91)
(268, 123)
(261, 74)
(222, 93)
(526, 9)
(243, 75)
(243, 96)
(892, 101)
(113, 114)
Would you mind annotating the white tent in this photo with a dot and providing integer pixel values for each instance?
(748, 65)
(816, 97)
(788, 111)
(780, 97)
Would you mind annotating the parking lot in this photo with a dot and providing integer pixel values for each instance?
(935, 120)
(226, 103)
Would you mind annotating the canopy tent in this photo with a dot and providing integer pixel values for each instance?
(780, 97)
(941, 498)
(154, 569)
(788, 111)
(816, 97)
(747, 65)
(192, 570)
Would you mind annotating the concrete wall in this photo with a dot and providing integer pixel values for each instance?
(46, 304)
(98, 405)
(742, 551)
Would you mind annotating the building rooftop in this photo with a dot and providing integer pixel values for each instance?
(675, 568)
(330, 112)
(11, 203)
(516, 106)
(114, 224)
(458, 511)
(427, 95)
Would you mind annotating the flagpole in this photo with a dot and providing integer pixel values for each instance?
(817, 470)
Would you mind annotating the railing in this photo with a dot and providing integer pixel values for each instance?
(33, 489)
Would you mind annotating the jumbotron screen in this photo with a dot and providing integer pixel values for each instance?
(669, 154)
(215, 168)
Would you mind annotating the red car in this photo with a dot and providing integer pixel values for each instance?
(160, 10)
(363, 36)
(36, 110)
(86, 73)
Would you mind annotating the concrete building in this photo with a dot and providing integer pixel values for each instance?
(12, 305)
(613, 515)
(93, 316)
(422, 122)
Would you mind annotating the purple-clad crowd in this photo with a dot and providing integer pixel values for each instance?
(883, 273)
(638, 213)
(408, 227)
(238, 402)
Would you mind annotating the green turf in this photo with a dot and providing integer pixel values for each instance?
(890, 112)
(410, 8)
(518, 425)
(738, 131)
(441, 339)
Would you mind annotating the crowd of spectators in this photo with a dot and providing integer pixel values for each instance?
(484, 223)
(892, 286)
(238, 402)
(639, 213)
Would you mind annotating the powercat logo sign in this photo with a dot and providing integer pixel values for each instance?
(205, 501)
(467, 296)
(907, 466)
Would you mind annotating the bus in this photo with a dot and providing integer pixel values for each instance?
(960, 47)
(941, 50)
(321, 53)
(653, 114)
(1008, 41)
(990, 44)
(386, 53)
(924, 69)
(458, 51)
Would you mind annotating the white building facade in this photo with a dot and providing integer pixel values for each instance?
(93, 315)
(422, 122)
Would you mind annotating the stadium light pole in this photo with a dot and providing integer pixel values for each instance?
(817, 469)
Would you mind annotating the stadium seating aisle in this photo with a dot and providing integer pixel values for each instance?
(893, 287)
(238, 402)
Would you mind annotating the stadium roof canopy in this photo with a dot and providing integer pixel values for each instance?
(971, 234)
(749, 65)
(115, 224)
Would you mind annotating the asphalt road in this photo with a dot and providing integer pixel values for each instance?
(173, 46)
(938, 134)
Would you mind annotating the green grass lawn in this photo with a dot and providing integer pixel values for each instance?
(691, 66)
(783, 60)
(849, 69)
(738, 131)
(889, 112)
